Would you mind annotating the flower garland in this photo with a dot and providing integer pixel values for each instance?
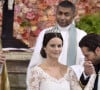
(32, 16)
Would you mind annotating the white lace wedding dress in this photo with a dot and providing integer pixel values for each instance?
(40, 80)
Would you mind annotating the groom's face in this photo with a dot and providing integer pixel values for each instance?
(94, 57)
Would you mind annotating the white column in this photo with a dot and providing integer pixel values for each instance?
(10, 4)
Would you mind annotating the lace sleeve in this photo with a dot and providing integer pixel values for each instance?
(90, 84)
(74, 81)
(34, 80)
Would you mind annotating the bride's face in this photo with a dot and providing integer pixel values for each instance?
(53, 48)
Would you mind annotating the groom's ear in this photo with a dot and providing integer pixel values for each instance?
(97, 50)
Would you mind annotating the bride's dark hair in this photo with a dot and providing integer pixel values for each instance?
(47, 37)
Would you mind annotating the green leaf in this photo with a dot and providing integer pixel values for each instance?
(25, 23)
(90, 23)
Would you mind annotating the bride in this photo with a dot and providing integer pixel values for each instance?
(50, 74)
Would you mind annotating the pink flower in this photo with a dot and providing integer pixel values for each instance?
(17, 9)
(51, 2)
(30, 15)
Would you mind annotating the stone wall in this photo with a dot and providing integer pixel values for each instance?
(17, 63)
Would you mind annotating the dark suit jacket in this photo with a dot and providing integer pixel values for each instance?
(85, 81)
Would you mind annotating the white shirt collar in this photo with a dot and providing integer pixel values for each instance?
(63, 28)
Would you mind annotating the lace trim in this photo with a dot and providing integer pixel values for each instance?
(50, 78)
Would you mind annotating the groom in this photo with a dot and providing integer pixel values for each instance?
(90, 46)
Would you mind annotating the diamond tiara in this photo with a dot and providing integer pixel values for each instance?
(53, 30)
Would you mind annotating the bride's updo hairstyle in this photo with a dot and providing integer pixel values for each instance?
(49, 34)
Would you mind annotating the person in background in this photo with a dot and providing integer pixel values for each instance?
(50, 74)
(90, 46)
(71, 53)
